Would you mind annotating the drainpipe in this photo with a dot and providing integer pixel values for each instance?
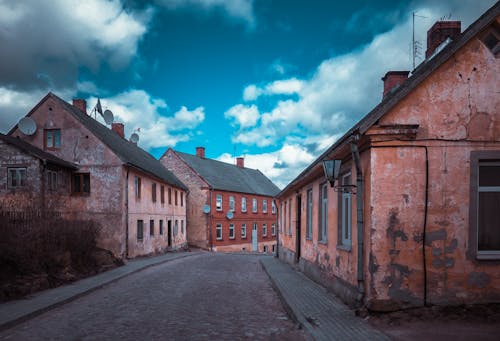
(126, 215)
(42, 197)
(210, 223)
(359, 219)
(277, 254)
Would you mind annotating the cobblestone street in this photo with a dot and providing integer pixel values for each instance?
(203, 297)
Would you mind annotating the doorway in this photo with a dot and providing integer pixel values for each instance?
(298, 215)
(254, 238)
(169, 233)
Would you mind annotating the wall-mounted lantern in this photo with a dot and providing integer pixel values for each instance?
(332, 172)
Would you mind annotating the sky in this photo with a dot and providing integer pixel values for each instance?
(274, 81)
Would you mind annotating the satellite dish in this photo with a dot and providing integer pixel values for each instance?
(230, 215)
(27, 126)
(134, 138)
(206, 209)
(108, 116)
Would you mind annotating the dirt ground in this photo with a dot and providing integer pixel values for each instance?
(471, 322)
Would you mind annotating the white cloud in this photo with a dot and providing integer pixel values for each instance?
(139, 110)
(242, 115)
(251, 93)
(235, 9)
(279, 87)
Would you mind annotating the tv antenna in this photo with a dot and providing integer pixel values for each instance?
(107, 115)
(416, 46)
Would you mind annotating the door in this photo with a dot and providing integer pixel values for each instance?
(298, 215)
(254, 238)
(169, 233)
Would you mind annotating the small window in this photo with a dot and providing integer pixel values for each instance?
(243, 204)
(231, 231)
(309, 214)
(264, 230)
(16, 177)
(323, 212)
(182, 226)
(290, 217)
(274, 248)
(52, 180)
(265, 249)
(231, 203)
(153, 192)
(137, 182)
(273, 207)
(254, 205)
(170, 196)
(491, 39)
(162, 194)
(176, 227)
(264, 206)
(218, 202)
(182, 199)
(140, 230)
(52, 138)
(273, 229)
(175, 197)
(243, 230)
(81, 183)
(345, 211)
(161, 226)
(218, 231)
(151, 227)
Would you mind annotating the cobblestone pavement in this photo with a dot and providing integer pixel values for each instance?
(204, 297)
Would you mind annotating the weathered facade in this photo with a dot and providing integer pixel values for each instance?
(117, 184)
(413, 217)
(230, 207)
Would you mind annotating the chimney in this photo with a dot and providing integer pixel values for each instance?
(393, 79)
(200, 152)
(240, 162)
(439, 32)
(80, 104)
(119, 129)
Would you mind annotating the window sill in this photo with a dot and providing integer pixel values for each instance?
(324, 242)
(309, 239)
(347, 248)
(218, 239)
(493, 255)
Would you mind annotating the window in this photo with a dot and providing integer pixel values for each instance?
(16, 177)
(218, 202)
(243, 230)
(182, 199)
(274, 248)
(273, 229)
(176, 227)
(137, 182)
(162, 194)
(182, 226)
(273, 207)
(218, 231)
(243, 204)
(485, 204)
(175, 197)
(345, 212)
(51, 180)
(140, 230)
(309, 214)
(323, 212)
(290, 217)
(153, 192)
(254, 205)
(264, 230)
(265, 249)
(283, 215)
(264, 206)
(492, 39)
(255, 227)
(81, 183)
(170, 196)
(231, 231)
(151, 227)
(52, 138)
(161, 226)
(231, 203)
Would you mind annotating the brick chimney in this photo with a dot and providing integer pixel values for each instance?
(392, 79)
(439, 32)
(80, 104)
(200, 152)
(119, 129)
(240, 162)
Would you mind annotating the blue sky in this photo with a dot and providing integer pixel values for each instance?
(274, 81)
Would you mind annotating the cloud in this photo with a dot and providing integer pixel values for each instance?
(241, 10)
(242, 115)
(45, 43)
(158, 127)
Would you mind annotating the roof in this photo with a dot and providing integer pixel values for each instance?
(36, 152)
(129, 153)
(227, 177)
(424, 70)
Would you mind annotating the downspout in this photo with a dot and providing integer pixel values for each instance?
(126, 215)
(210, 223)
(277, 255)
(43, 179)
(359, 221)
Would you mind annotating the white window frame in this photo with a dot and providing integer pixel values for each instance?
(231, 231)
(273, 207)
(273, 229)
(231, 203)
(218, 231)
(323, 218)
(264, 230)
(254, 205)
(345, 214)
(243, 230)
(309, 214)
(243, 204)
(218, 202)
(264, 206)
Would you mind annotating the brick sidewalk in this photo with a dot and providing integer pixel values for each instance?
(319, 312)
(14, 312)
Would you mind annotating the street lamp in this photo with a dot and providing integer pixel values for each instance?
(332, 170)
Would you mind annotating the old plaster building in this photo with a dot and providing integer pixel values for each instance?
(413, 214)
(230, 207)
(140, 205)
